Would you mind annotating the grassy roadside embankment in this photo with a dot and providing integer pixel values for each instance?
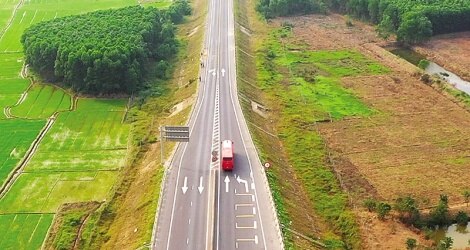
(300, 88)
(126, 221)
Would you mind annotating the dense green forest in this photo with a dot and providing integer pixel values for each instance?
(412, 21)
(274, 8)
(104, 52)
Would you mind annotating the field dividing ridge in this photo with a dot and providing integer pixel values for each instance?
(78, 158)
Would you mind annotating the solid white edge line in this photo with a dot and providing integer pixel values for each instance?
(207, 39)
(232, 28)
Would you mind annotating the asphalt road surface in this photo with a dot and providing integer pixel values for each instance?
(204, 207)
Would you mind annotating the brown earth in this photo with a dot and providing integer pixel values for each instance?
(452, 51)
(417, 143)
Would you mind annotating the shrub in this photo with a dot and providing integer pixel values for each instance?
(461, 218)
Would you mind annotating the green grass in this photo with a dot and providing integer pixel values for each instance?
(41, 102)
(45, 192)
(11, 85)
(65, 239)
(70, 162)
(159, 4)
(307, 84)
(90, 138)
(16, 137)
(23, 231)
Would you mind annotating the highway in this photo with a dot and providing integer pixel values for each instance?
(204, 207)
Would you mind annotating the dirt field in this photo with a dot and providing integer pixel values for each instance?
(417, 143)
(451, 51)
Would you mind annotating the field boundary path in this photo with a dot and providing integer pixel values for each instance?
(10, 21)
(29, 154)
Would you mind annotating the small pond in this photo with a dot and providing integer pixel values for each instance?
(460, 235)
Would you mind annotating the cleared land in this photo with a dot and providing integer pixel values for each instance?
(450, 51)
(416, 143)
(382, 133)
(307, 87)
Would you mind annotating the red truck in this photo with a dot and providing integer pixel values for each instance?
(227, 155)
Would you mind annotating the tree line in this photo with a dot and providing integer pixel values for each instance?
(407, 211)
(413, 21)
(104, 52)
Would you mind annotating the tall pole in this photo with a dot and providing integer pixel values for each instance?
(161, 144)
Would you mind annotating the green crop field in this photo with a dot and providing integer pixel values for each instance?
(80, 156)
(45, 192)
(41, 102)
(23, 231)
(76, 161)
(11, 84)
(90, 138)
(15, 139)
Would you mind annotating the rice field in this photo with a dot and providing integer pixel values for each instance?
(80, 156)
(11, 84)
(89, 138)
(23, 231)
(44, 192)
(16, 137)
(42, 101)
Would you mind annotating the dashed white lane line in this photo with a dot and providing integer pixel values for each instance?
(189, 222)
(255, 226)
(255, 239)
(244, 205)
(252, 196)
(245, 216)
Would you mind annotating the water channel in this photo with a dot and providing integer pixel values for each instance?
(459, 234)
(433, 68)
(450, 77)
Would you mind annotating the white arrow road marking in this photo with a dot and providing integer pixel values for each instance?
(185, 186)
(200, 188)
(227, 181)
(240, 180)
(223, 72)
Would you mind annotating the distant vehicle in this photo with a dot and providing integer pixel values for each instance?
(227, 155)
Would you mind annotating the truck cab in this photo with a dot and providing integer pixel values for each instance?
(227, 155)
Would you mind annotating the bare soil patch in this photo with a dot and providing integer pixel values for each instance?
(374, 230)
(418, 141)
(412, 147)
(450, 51)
